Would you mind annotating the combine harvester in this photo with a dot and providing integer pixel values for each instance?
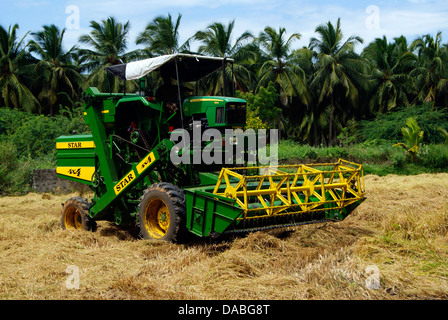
(127, 161)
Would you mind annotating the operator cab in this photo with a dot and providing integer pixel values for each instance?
(215, 112)
(181, 107)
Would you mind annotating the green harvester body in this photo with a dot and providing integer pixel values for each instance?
(127, 156)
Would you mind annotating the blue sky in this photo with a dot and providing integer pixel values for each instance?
(367, 19)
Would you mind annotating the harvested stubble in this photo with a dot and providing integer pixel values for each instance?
(401, 229)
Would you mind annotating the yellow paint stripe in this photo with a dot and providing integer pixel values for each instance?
(145, 163)
(120, 186)
(205, 99)
(75, 145)
(82, 173)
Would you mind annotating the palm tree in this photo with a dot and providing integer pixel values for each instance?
(15, 71)
(56, 71)
(217, 41)
(108, 41)
(431, 72)
(308, 124)
(161, 36)
(278, 66)
(339, 69)
(390, 76)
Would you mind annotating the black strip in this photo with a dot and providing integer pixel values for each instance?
(118, 70)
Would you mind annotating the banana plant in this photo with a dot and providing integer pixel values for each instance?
(413, 138)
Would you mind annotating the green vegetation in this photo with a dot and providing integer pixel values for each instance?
(413, 136)
(327, 100)
(27, 142)
(381, 159)
(262, 112)
(387, 126)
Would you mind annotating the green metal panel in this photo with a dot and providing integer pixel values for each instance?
(137, 98)
(102, 149)
(208, 214)
(196, 105)
(208, 178)
(108, 112)
(76, 158)
(208, 106)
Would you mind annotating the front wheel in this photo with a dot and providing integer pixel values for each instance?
(162, 213)
(75, 216)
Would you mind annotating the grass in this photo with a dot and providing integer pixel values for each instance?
(401, 229)
(378, 159)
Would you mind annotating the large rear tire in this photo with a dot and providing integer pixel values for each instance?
(75, 216)
(162, 213)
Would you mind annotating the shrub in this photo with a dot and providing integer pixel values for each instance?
(413, 138)
(27, 142)
(35, 135)
(371, 152)
(253, 120)
(262, 105)
(398, 160)
(8, 164)
(388, 126)
(435, 157)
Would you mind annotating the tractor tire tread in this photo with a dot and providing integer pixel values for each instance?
(84, 205)
(177, 196)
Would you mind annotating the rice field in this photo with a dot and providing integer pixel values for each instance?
(393, 247)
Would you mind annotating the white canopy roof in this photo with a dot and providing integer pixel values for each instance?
(189, 67)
